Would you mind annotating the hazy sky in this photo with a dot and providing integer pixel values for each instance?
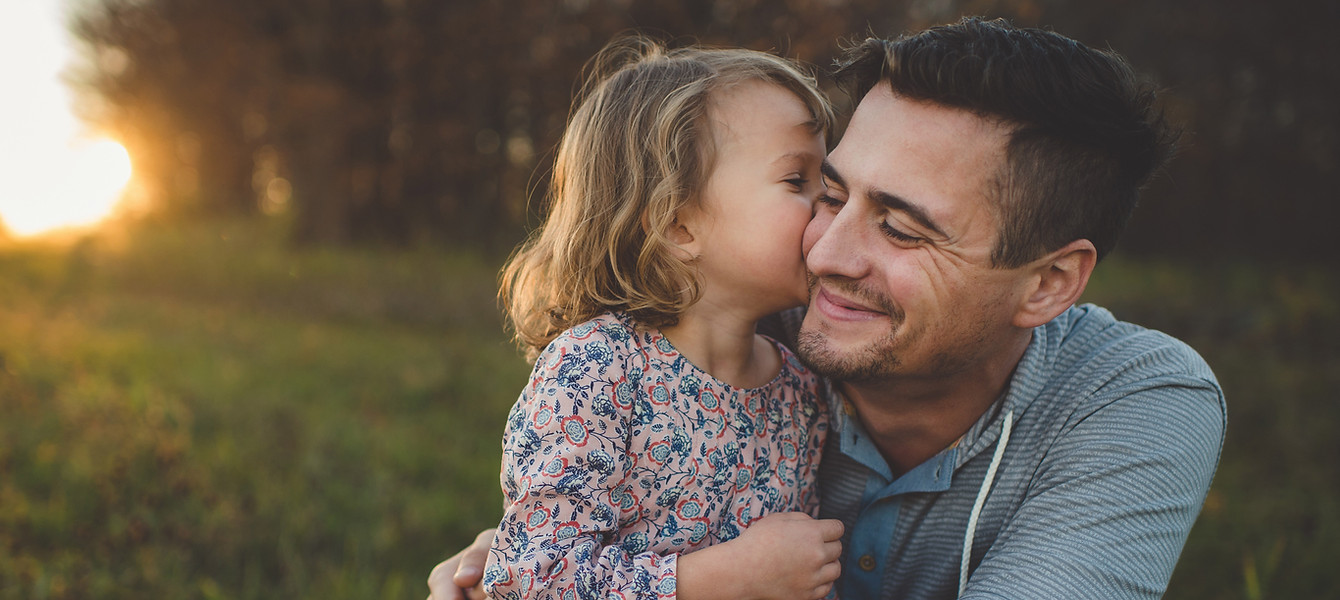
(33, 49)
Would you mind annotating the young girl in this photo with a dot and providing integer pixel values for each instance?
(658, 428)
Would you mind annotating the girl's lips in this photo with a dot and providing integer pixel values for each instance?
(841, 309)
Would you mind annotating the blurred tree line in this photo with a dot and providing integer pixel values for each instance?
(401, 120)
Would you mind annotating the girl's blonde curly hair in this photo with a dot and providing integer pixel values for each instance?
(637, 150)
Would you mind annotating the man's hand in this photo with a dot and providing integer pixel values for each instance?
(457, 578)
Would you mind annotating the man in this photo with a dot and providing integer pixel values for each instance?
(992, 440)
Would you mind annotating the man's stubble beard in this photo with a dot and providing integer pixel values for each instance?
(883, 360)
(876, 360)
(865, 364)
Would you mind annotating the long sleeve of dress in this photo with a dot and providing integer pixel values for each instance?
(564, 472)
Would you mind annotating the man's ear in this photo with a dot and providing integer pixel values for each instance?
(1058, 280)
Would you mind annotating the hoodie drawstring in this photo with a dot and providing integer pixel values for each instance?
(981, 499)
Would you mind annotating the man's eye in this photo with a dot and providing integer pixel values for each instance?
(898, 235)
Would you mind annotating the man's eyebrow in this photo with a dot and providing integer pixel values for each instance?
(915, 211)
(888, 200)
(831, 174)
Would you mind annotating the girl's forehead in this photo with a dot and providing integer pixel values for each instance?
(757, 106)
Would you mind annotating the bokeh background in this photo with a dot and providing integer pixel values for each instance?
(278, 371)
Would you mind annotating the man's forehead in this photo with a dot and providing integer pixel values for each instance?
(944, 161)
(914, 137)
(882, 110)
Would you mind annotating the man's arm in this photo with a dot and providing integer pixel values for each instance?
(1110, 509)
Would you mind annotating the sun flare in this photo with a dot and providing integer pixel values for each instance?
(83, 190)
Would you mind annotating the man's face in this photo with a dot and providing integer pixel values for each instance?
(899, 251)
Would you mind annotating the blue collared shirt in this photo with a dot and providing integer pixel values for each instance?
(1116, 436)
(868, 543)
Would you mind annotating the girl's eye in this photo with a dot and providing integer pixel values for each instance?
(829, 201)
(898, 235)
(798, 183)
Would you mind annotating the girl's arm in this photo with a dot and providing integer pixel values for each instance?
(564, 464)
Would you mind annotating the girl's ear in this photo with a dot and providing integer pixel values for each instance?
(684, 233)
(1057, 283)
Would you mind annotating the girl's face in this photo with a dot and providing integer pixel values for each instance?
(757, 201)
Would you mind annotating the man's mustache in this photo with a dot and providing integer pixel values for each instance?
(853, 289)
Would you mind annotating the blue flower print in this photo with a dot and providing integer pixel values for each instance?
(732, 452)
(744, 425)
(660, 452)
(516, 417)
(566, 530)
(602, 514)
(570, 371)
(660, 394)
(699, 531)
(680, 441)
(728, 531)
(690, 385)
(556, 467)
(746, 515)
(575, 430)
(669, 497)
(537, 518)
(625, 393)
(617, 332)
(601, 462)
(496, 574)
(642, 411)
(525, 439)
(584, 550)
(599, 353)
(635, 543)
(743, 478)
(623, 497)
(666, 587)
(665, 347)
(583, 330)
(602, 407)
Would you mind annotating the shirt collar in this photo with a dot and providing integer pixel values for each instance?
(1025, 385)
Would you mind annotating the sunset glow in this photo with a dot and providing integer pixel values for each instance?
(53, 174)
(78, 187)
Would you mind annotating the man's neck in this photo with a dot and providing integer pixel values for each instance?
(911, 420)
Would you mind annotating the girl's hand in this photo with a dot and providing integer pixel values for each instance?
(781, 556)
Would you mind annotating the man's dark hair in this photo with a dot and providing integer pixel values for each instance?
(1086, 134)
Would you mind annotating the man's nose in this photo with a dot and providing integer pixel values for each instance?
(837, 247)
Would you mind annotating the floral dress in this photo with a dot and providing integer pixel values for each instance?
(621, 454)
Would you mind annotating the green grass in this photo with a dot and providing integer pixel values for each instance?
(201, 411)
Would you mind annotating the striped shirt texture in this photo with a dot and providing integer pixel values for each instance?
(1117, 432)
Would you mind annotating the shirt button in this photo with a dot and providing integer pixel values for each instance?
(867, 563)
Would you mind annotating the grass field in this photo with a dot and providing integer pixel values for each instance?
(203, 412)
